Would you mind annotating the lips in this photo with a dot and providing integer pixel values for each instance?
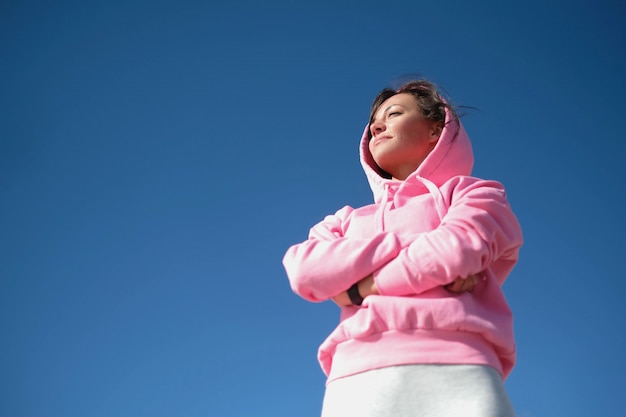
(378, 139)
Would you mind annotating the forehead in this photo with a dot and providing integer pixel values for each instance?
(403, 99)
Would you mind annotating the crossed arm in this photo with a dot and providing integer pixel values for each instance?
(367, 287)
(478, 232)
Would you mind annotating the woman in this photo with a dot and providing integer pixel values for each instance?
(425, 329)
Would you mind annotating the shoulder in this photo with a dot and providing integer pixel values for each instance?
(339, 218)
(466, 186)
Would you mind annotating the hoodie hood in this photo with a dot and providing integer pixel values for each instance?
(451, 156)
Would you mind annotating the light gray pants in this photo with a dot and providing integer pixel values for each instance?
(419, 391)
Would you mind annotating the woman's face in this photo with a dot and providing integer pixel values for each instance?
(401, 137)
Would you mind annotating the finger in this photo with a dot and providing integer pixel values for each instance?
(471, 283)
(456, 285)
(461, 285)
(342, 299)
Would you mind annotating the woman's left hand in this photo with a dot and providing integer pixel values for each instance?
(366, 286)
(342, 299)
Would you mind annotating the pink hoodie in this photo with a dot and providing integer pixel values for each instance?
(419, 235)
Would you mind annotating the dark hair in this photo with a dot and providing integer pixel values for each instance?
(428, 99)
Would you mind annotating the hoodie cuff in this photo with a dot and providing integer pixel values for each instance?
(394, 278)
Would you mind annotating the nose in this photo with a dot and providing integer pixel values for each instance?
(376, 127)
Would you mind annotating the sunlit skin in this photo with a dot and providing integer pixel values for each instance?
(401, 139)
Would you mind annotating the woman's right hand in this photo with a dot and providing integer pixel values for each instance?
(461, 285)
(367, 286)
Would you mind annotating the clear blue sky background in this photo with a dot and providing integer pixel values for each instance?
(158, 157)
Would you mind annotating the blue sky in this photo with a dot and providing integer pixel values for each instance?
(157, 158)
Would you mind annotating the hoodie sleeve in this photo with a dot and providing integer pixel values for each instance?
(328, 263)
(479, 231)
